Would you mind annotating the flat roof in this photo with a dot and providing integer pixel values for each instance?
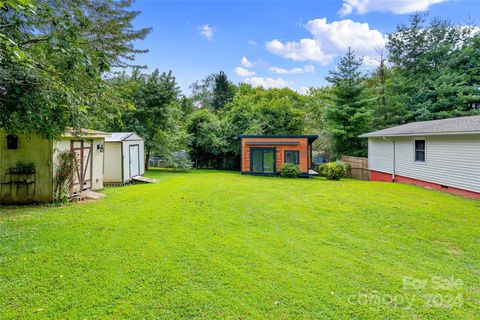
(450, 126)
(310, 137)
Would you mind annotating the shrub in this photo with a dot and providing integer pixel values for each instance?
(346, 167)
(65, 168)
(334, 170)
(289, 170)
(22, 167)
(180, 163)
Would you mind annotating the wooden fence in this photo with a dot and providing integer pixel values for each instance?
(359, 167)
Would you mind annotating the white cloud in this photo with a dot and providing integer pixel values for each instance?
(330, 40)
(252, 42)
(267, 82)
(207, 31)
(242, 72)
(370, 61)
(305, 49)
(306, 69)
(395, 6)
(303, 90)
(244, 62)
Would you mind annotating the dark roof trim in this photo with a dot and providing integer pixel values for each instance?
(310, 137)
(280, 143)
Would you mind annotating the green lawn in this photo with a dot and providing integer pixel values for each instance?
(211, 244)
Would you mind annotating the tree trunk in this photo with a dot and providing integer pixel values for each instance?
(147, 157)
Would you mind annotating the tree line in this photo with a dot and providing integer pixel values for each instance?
(60, 62)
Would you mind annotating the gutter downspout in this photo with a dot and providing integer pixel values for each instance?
(394, 162)
(393, 157)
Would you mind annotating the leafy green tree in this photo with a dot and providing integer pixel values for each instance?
(212, 92)
(187, 106)
(156, 115)
(53, 56)
(349, 115)
(202, 92)
(203, 128)
(318, 101)
(434, 70)
(262, 111)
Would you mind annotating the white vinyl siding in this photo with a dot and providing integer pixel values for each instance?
(453, 161)
(382, 154)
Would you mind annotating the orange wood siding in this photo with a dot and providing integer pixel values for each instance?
(302, 148)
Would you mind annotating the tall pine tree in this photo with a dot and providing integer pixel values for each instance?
(213, 92)
(349, 116)
(223, 91)
(387, 107)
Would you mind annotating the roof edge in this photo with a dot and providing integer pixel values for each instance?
(310, 137)
(85, 133)
(279, 136)
(451, 133)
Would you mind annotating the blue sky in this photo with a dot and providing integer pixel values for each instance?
(274, 43)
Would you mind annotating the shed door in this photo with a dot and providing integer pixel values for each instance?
(82, 177)
(134, 155)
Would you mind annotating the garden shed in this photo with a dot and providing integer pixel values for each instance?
(28, 164)
(265, 154)
(124, 155)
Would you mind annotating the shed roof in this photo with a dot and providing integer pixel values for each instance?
(123, 136)
(451, 126)
(85, 133)
(310, 137)
(118, 136)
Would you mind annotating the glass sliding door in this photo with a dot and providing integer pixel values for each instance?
(268, 161)
(257, 160)
(262, 160)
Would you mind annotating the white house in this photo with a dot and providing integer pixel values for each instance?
(124, 155)
(439, 154)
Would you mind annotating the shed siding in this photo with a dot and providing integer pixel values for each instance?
(97, 172)
(453, 161)
(30, 149)
(113, 162)
(98, 164)
(117, 157)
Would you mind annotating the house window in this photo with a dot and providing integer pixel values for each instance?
(420, 150)
(292, 157)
